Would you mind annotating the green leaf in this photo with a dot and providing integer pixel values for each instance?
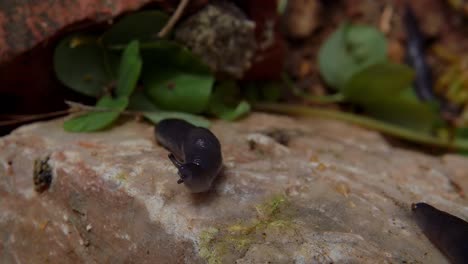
(462, 133)
(223, 103)
(383, 91)
(175, 79)
(195, 120)
(378, 81)
(140, 102)
(271, 91)
(349, 49)
(130, 69)
(82, 65)
(230, 113)
(97, 120)
(251, 92)
(406, 110)
(142, 26)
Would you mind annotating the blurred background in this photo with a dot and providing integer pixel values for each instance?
(400, 62)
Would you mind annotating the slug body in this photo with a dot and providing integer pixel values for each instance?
(447, 232)
(195, 151)
(415, 57)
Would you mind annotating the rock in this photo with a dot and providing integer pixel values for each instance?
(24, 24)
(27, 23)
(222, 36)
(326, 192)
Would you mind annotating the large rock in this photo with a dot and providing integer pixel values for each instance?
(26, 23)
(303, 191)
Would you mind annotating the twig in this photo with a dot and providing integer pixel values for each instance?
(174, 18)
(370, 123)
(28, 118)
(315, 99)
(74, 107)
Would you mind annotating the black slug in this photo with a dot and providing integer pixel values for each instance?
(415, 57)
(447, 232)
(195, 151)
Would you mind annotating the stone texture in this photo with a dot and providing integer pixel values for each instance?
(293, 191)
(27, 23)
(222, 36)
(24, 24)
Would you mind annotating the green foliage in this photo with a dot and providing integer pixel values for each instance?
(196, 120)
(107, 112)
(175, 79)
(269, 91)
(377, 82)
(130, 69)
(83, 65)
(175, 82)
(406, 110)
(348, 50)
(142, 26)
(225, 104)
(140, 102)
(354, 61)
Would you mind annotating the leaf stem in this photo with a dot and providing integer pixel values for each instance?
(78, 107)
(164, 31)
(366, 122)
(320, 99)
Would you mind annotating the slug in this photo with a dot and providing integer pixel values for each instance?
(447, 232)
(415, 57)
(195, 151)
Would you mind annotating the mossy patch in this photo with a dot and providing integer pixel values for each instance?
(122, 176)
(226, 243)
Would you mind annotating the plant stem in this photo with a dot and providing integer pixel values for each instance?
(366, 122)
(322, 99)
(164, 31)
(174, 18)
(28, 118)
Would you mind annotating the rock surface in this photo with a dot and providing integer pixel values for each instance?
(293, 191)
(24, 24)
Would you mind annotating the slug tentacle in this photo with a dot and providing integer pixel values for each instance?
(174, 160)
(195, 152)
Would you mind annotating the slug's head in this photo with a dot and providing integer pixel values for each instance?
(191, 174)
